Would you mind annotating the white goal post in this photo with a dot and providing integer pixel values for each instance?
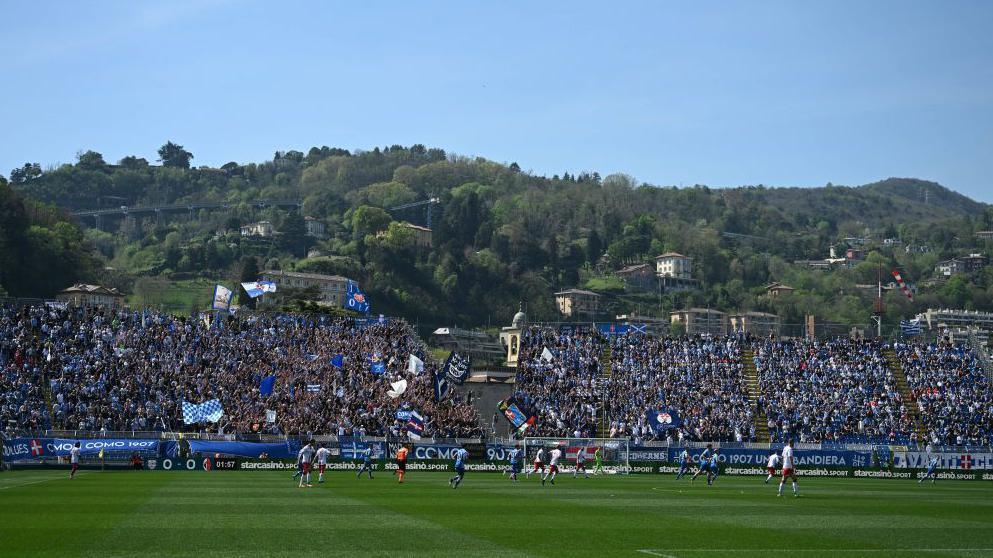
(614, 453)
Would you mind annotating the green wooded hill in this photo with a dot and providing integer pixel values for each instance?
(503, 235)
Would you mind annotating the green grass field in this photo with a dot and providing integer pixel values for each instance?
(222, 514)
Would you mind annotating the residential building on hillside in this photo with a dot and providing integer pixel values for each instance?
(577, 302)
(700, 321)
(984, 235)
(974, 262)
(262, 228)
(759, 324)
(638, 276)
(959, 320)
(82, 294)
(422, 235)
(675, 265)
(331, 289)
(315, 228)
(948, 268)
(778, 289)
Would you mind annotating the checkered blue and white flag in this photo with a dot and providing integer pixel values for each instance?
(208, 411)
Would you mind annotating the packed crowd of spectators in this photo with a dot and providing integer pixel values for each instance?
(700, 379)
(839, 390)
(560, 385)
(123, 370)
(953, 393)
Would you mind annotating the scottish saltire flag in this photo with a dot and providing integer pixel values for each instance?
(313, 388)
(208, 411)
(356, 299)
(457, 367)
(415, 426)
(222, 297)
(662, 419)
(258, 288)
(338, 361)
(415, 365)
(911, 327)
(441, 386)
(266, 385)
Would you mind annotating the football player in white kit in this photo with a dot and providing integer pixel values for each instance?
(789, 469)
(553, 466)
(305, 456)
(581, 463)
(74, 460)
(322, 462)
(771, 466)
(539, 462)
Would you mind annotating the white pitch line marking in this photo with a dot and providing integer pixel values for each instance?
(663, 552)
(36, 482)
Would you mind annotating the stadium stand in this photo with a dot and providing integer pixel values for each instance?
(93, 370)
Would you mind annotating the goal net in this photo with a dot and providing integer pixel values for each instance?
(614, 453)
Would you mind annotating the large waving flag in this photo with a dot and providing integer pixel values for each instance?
(457, 367)
(902, 284)
(662, 419)
(208, 411)
(441, 386)
(415, 365)
(267, 385)
(338, 361)
(415, 426)
(398, 389)
(911, 327)
(222, 298)
(356, 299)
(259, 288)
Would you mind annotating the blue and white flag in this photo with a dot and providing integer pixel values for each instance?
(356, 299)
(222, 298)
(415, 426)
(441, 386)
(911, 327)
(457, 367)
(662, 419)
(258, 288)
(267, 385)
(376, 364)
(313, 388)
(208, 411)
(415, 365)
(338, 361)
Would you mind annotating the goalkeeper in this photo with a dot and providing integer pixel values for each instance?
(598, 458)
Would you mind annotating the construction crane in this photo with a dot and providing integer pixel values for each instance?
(428, 202)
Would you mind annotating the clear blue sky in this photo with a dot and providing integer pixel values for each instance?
(724, 94)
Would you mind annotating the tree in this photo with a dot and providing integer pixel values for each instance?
(594, 247)
(249, 273)
(91, 160)
(173, 155)
(133, 163)
(293, 235)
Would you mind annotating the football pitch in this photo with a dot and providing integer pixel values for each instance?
(221, 514)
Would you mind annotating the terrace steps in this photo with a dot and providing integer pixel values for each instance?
(752, 380)
(905, 394)
(603, 421)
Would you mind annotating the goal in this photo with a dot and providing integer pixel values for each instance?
(614, 453)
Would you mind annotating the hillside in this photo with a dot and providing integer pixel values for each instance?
(501, 235)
